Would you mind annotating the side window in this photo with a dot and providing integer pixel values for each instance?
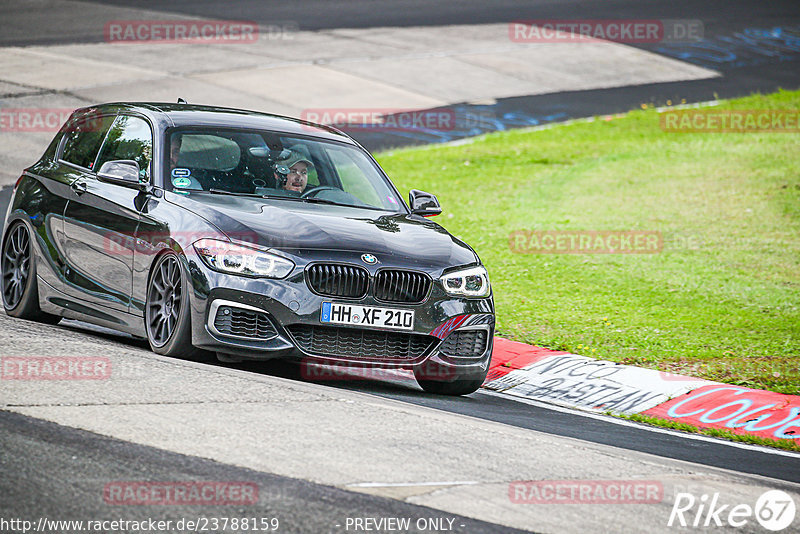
(354, 180)
(129, 138)
(83, 138)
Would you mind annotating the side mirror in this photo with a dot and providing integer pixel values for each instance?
(122, 172)
(423, 203)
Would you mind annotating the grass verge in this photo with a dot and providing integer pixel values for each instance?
(719, 301)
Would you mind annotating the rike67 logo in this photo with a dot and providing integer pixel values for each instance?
(774, 510)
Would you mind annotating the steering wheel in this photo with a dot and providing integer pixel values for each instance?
(314, 190)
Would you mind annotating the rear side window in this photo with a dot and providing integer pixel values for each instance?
(83, 138)
(130, 138)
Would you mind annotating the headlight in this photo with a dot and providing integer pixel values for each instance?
(237, 259)
(472, 282)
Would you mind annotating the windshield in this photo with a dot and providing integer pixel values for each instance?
(275, 165)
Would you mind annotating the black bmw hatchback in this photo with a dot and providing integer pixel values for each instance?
(248, 235)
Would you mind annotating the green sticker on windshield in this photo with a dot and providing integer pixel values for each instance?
(181, 181)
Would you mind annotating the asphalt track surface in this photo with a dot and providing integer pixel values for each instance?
(62, 472)
(537, 416)
(574, 424)
(58, 472)
(24, 26)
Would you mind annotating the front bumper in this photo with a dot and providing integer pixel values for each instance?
(289, 304)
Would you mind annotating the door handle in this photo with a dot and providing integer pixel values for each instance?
(79, 187)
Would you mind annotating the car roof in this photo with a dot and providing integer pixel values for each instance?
(172, 114)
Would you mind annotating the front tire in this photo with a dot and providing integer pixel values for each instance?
(167, 313)
(445, 380)
(20, 287)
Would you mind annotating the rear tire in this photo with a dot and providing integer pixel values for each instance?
(458, 384)
(20, 287)
(167, 315)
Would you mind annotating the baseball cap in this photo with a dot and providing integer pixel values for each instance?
(296, 156)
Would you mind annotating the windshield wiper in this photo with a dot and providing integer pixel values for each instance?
(234, 193)
(315, 200)
(310, 200)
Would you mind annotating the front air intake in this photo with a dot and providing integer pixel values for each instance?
(465, 344)
(239, 322)
(360, 344)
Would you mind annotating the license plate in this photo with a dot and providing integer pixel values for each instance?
(367, 316)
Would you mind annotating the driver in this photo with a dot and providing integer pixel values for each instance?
(297, 179)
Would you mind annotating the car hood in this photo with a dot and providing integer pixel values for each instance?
(313, 231)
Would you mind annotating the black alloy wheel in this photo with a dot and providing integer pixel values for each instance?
(20, 289)
(164, 301)
(16, 265)
(167, 314)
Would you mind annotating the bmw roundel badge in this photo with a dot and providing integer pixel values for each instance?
(369, 259)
